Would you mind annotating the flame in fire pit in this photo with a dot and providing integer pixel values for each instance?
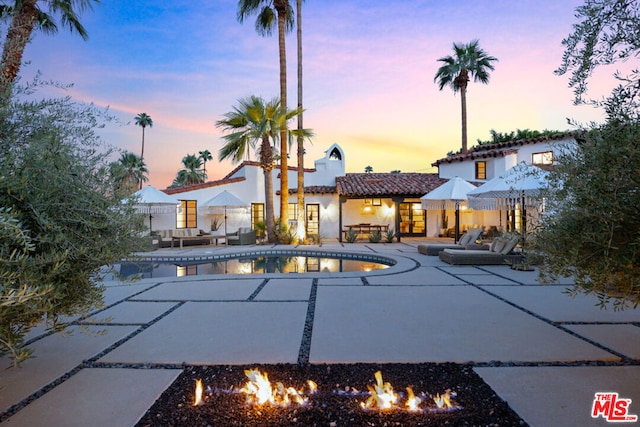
(260, 391)
(198, 401)
(443, 401)
(413, 402)
(381, 395)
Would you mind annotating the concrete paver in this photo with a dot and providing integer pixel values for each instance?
(524, 277)
(622, 338)
(486, 279)
(98, 398)
(205, 290)
(220, 332)
(343, 281)
(551, 303)
(115, 292)
(419, 310)
(285, 290)
(419, 276)
(412, 324)
(562, 396)
(55, 355)
(130, 312)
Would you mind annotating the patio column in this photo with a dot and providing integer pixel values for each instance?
(341, 200)
(397, 201)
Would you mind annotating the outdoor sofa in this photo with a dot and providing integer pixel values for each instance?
(497, 253)
(433, 249)
(184, 236)
(244, 236)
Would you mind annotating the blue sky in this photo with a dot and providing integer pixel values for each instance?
(368, 75)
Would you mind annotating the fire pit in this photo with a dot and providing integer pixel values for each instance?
(425, 394)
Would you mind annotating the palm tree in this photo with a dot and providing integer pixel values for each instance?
(143, 120)
(255, 124)
(205, 156)
(301, 231)
(27, 15)
(192, 172)
(368, 169)
(268, 11)
(132, 173)
(469, 61)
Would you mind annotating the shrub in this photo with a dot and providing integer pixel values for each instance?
(375, 236)
(62, 217)
(389, 235)
(592, 229)
(285, 234)
(351, 236)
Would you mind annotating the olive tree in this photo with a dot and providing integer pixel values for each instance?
(62, 216)
(607, 32)
(592, 229)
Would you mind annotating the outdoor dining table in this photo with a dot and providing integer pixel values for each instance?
(365, 228)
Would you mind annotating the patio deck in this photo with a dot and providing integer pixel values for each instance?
(543, 352)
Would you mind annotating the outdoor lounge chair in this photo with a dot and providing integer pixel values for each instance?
(435, 248)
(497, 253)
(244, 236)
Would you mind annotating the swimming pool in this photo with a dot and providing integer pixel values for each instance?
(257, 262)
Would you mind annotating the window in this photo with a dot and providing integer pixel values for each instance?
(544, 158)
(257, 214)
(373, 202)
(187, 216)
(481, 170)
(293, 212)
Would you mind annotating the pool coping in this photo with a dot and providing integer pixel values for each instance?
(400, 264)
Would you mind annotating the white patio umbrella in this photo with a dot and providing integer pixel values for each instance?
(522, 184)
(150, 201)
(448, 196)
(224, 200)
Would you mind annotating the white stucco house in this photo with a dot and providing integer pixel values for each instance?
(484, 162)
(336, 201)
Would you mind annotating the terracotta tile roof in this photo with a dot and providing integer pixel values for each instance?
(501, 149)
(209, 184)
(314, 189)
(387, 184)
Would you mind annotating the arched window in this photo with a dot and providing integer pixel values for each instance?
(335, 154)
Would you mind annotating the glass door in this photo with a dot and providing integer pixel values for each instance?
(313, 219)
(412, 219)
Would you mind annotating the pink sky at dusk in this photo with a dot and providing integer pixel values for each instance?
(368, 75)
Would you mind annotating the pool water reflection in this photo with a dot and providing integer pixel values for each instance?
(250, 265)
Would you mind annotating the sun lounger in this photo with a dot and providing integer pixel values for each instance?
(497, 253)
(434, 249)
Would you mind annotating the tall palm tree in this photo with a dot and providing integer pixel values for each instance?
(205, 156)
(469, 61)
(192, 172)
(27, 15)
(256, 124)
(143, 120)
(267, 12)
(129, 171)
(301, 231)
